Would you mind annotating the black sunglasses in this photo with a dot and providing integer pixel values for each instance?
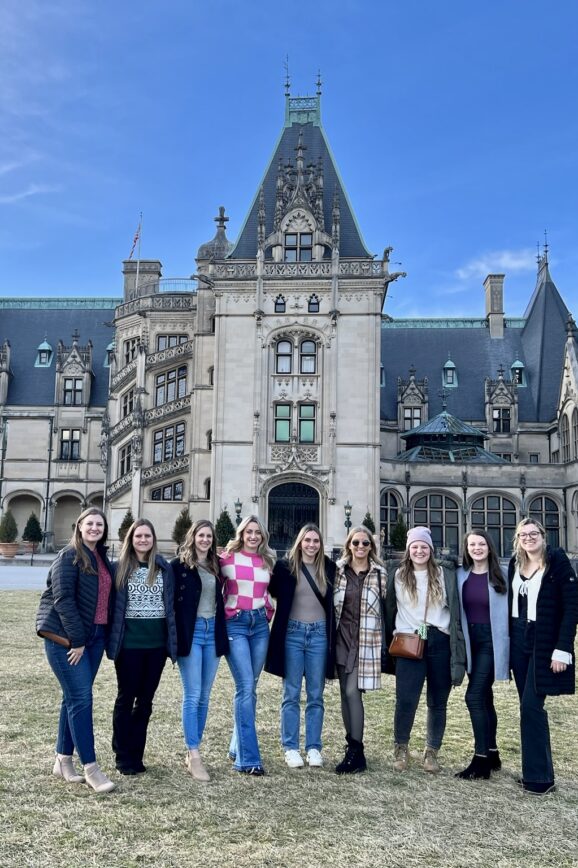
(360, 542)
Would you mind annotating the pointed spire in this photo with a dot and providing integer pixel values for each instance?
(570, 327)
(319, 82)
(444, 396)
(287, 79)
(219, 246)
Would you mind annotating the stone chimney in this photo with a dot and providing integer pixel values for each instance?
(494, 286)
(149, 274)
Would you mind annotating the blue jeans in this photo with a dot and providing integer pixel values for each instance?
(305, 654)
(537, 767)
(248, 633)
(479, 695)
(198, 672)
(409, 678)
(75, 725)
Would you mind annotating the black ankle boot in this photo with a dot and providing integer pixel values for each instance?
(478, 769)
(494, 758)
(354, 760)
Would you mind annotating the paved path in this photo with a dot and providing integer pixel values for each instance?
(23, 578)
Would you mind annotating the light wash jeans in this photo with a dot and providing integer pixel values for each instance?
(305, 655)
(248, 633)
(198, 672)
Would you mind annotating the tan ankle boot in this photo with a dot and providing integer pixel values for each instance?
(430, 761)
(97, 779)
(64, 768)
(401, 758)
(196, 767)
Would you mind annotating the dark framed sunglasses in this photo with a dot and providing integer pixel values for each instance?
(360, 542)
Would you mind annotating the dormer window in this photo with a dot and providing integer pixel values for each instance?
(279, 304)
(109, 355)
(313, 306)
(518, 376)
(298, 247)
(72, 391)
(43, 355)
(450, 374)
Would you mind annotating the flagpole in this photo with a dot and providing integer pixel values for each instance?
(138, 255)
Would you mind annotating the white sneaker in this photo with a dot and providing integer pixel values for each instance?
(293, 759)
(314, 758)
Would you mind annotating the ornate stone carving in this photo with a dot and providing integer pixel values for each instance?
(119, 486)
(167, 468)
(123, 375)
(182, 351)
(186, 301)
(120, 427)
(297, 456)
(166, 410)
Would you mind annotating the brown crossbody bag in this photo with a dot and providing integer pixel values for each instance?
(411, 645)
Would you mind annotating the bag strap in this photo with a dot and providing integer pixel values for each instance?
(313, 584)
(382, 618)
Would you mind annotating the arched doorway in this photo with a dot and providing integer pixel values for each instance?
(66, 510)
(291, 505)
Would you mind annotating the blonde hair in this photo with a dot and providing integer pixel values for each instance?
(236, 545)
(372, 555)
(188, 550)
(406, 575)
(81, 558)
(295, 556)
(519, 553)
(128, 561)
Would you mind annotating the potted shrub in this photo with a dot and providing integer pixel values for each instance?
(8, 535)
(32, 533)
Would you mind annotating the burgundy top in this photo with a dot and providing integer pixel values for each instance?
(104, 586)
(476, 598)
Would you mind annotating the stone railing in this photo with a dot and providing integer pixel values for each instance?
(347, 268)
(167, 410)
(158, 301)
(121, 427)
(123, 375)
(167, 468)
(182, 351)
(119, 485)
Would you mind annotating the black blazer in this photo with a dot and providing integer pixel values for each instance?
(282, 588)
(556, 616)
(188, 587)
(114, 644)
(68, 605)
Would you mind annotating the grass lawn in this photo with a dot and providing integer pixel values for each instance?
(303, 817)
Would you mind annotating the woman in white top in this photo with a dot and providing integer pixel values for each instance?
(422, 599)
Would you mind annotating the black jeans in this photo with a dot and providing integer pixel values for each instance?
(479, 695)
(409, 679)
(537, 765)
(138, 673)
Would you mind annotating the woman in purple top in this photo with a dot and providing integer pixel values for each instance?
(483, 597)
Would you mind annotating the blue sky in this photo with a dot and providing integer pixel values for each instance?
(454, 126)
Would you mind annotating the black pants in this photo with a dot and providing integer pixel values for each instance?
(138, 673)
(479, 695)
(537, 765)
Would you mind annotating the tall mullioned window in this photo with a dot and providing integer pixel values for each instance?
(282, 423)
(73, 391)
(69, 444)
(170, 385)
(125, 460)
(284, 357)
(308, 357)
(501, 419)
(169, 443)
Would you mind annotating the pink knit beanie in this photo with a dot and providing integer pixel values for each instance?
(419, 534)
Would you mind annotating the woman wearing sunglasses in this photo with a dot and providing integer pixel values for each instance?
(359, 583)
(543, 613)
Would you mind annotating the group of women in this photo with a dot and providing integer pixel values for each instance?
(352, 620)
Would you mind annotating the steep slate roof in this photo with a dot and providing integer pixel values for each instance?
(302, 114)
(27, 322)
(537, 341)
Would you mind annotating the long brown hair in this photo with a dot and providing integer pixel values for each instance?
(236, 544)
(406, 575)
(372, 555)
(128, 561)
(495, 576)
(188, 550)
(295, 556)
(519, 553)
(81, 558)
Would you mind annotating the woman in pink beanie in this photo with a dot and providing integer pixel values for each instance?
(422, 598)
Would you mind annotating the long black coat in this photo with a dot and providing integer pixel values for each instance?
(556, 617)
(115, 639)
(282, 588)
(68, 605)
(188, 587)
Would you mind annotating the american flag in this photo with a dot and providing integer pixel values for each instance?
(135, 239)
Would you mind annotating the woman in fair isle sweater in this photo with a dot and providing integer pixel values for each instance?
(246, 570)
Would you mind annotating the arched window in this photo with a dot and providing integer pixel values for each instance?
(546, 511)
(283, 353)
(442, 515)
(308, 357)
(497, 516)
(389, 511)
(279, 304)
(575, 434)
(517, 372)
(565, 439)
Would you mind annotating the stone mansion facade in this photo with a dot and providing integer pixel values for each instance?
(274, 379)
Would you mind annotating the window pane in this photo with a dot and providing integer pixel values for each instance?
(291, 240)
(307, 411)
(282, 431)
(306, 239)
(291, 255)
(420, 517)
(306, 254)
(306, 432)
(283, 411)
(435, 501)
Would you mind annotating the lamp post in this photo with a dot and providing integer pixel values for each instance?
(238, 508)
(347, 509)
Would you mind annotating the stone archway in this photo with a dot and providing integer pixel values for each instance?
(291, 505)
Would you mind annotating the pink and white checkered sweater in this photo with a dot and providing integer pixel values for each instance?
(246, 579)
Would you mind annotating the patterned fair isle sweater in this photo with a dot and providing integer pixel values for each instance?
(144, 619)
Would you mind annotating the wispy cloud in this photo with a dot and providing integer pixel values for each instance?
(508, 261)
(30, 190)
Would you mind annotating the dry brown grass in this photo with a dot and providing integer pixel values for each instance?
(289, 818)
